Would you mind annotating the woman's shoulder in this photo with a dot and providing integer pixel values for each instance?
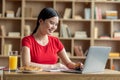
(28, 37)
(53, 37)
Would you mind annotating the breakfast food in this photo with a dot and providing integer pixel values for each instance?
(30, 68)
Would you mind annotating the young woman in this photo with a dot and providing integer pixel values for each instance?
(41, 49)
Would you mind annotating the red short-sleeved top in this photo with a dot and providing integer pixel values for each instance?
(43, 54)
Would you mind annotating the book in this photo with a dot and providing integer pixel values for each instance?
(18, 13)
(98, 13)
(27, 30)
(67, 13)
(78, 50)
(95, 32)
(64, 32)
(14, 34)
(68, 31)
(87, 13)
(3, 30)
(81, 50)
(7, 49)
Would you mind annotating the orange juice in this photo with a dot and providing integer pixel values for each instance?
(13, 62)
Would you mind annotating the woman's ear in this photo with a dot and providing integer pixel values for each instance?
(40, 20)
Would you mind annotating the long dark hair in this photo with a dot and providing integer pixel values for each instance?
(46, 13)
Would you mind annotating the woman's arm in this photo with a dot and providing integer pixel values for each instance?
(65, 59)
(26, 59)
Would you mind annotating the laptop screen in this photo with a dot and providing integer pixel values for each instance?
(96, 59)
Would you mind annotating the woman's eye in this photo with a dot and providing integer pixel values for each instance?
(52, 23)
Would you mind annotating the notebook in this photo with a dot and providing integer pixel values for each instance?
(96, 59)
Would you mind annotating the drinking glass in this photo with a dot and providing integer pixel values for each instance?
(13, 60)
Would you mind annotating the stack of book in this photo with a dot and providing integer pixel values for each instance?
(112, 14)
(104, 36)
(113, 54)
(10, 14)
(78, 17)
(117, 35)
(80, 34)
(14, 34)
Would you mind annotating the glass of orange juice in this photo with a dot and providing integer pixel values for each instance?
(13, 60)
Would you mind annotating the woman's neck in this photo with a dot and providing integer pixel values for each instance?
(40, 36)
(41, 39)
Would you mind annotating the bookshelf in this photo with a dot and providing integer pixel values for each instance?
(77, 21)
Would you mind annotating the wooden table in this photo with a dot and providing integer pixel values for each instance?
(1, 74)
(106, 75)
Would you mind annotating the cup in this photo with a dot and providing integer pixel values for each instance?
(13, 60)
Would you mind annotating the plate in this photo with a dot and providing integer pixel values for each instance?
(2, 67)
(26, 71)
(29, 69)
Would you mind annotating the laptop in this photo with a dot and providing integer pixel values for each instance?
(96, 59)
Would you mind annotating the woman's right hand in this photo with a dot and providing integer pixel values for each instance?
(79, 66)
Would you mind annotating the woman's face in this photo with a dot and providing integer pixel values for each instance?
(49, 25)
